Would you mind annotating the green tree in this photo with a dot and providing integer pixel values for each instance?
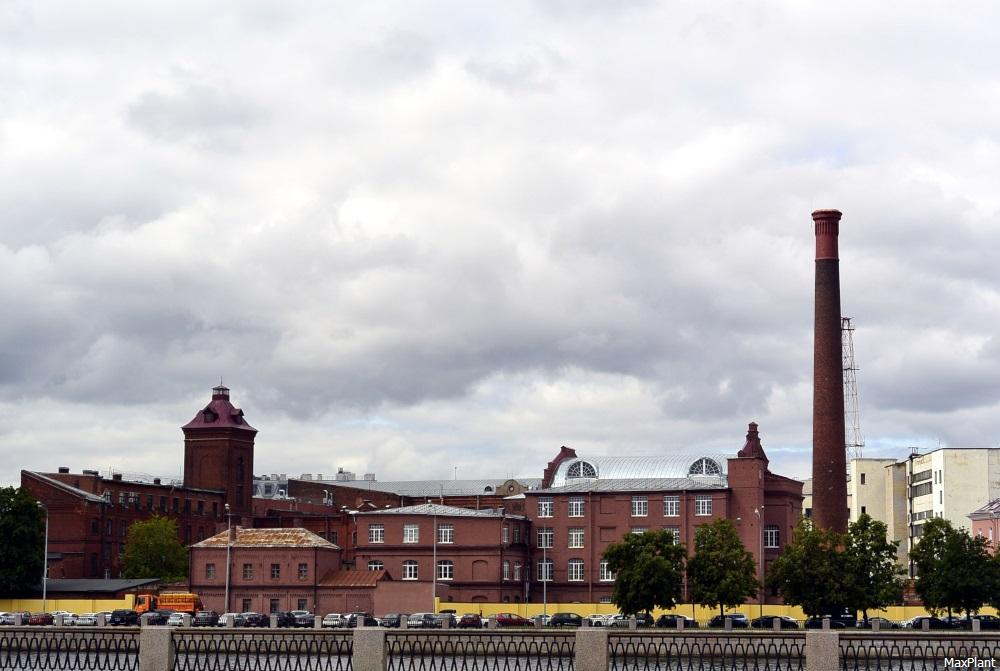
(954, 570)
(722, 572)
(153, 551)
(22, 527)
(649, 569)
(873, 578)
(811, 570)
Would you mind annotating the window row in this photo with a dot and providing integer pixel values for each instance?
(411, 533)
(574, 571)
(639, 507)
(249, 571)
(545, 536)
(411, 569)
(164, 504)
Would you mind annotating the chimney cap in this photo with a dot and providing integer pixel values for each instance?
(827, 214)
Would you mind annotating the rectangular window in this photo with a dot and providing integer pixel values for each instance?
(210, 571)
(703, 504)
(639, 530)
(122, 500)
(446, 533)
(176, 505)
(574, 570)
(273, 606)
(215, 508)
(576, 506)
(275, 571)
(111, 528)
(675, 532)
(376, 533)
(187, 506)
(123, 528)
(149, 501)
(95, 526)
(333, 537)
(517, 534)
(506, 570)
(771, 536)
(545, 506)
(545, 537)
(248, 571)
(247, 605)
(921, 490)
(606, 574)
(302, 604)
(201, 507)
(862, 478)
(671, 505)
(604, 599)
(411, 533)
(446, 570)
(410, 570)
(575, 537)
(163, 503)
(545, 570)
(303, 571)
(505, 535)
(517, 570)
(640, 506)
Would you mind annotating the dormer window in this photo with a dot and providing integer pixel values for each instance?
(581, 469)
(705, 466)
(208, 415)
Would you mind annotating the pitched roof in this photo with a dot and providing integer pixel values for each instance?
(438, 510)
(634, 485)
(112, 585)
(219, 413)
(988, 511)
(294, 537)
(69, 489)
(353, 578)
(432, 488)
(636, 468)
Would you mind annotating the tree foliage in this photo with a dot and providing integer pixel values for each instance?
(954, 570)
(873, 577)
(22, 526)
(722, 573)
(649, 570)
(153, 551)
(811, 571)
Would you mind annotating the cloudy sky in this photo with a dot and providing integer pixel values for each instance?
(414, 237)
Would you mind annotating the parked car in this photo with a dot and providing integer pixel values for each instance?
(352, 620)
(986, 622)
(205, 618)
(883, 623)
(251, 619)
(566, 620)
(422, 621)
(159, 617)
(392, 620)
(597, 620)
(817, 623)
(284, 619)
(512, 620)
(175, 620)
(740, 621)
(123, 617)
(236, 618)
(85, 620)
(669, 621)
(40, 619)
(9, 618)
(65, 614)
(69, 619)
(933, 623)
(641, 620)
(332, 621)
(303, 618)
(447, 619)
(767, 622)
(471, 621)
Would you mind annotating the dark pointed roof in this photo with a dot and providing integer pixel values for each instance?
(752, 449)
(219, 414)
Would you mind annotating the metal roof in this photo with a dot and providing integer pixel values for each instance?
(634, 485)
(69, 489)
(644, 467)
(438, 510)
(431, 488)
(293, 537)
(97, 584)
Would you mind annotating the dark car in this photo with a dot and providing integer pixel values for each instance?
(303, 618)
(767, 622)
(205, 618)
(364, 619)
(159, 617)
(256, 620)
(36, 619)
(284, 619)
(123, 617)
(471, 621)
(392, 620)
(740, 621)
(447, 620)
(422, 621)
(883, 623)
(512, 620)
(932, 622)
(986, 622)
(566, 620)
(669, 621)
(817, 623)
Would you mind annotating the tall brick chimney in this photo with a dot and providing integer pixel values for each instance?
(829, 456)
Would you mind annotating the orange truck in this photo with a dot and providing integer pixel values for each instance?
(182, 602)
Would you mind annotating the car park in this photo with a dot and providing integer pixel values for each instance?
(258, 620)
(740, 621)
(205, 618)
(566, 620)
(123, 617)
(669, 621)
(767, 622)
(512, 620)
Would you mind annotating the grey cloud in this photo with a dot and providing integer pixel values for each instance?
(200, 113)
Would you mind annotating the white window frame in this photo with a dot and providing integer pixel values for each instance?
(375, 565)
(446, 569)
(577, 506)
(506, 569)
(703, 505)
(639, 530)
(376, 533)
(517, 570)
(575, 570)
(446, 534)
(672, 505)
(640, 506)
(411, 533)
(605, 573)
(505, 534)
(545, 506)
(546, 537)
(545, 570)
(676, 531)
(772, 536)
(411, 570)
(575, 537)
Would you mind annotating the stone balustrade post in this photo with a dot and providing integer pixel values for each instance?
(925, 624)
(822, 650)
(728, 624)
(976, 625)
(877, 625)
(186, 620)
(369, 649)
(776, 624)
(317, 622)
(491, 623)
(591, 649)
(156, 650)
(632, 623)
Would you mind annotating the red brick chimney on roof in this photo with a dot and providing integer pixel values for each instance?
(752, 448)
(829, 456)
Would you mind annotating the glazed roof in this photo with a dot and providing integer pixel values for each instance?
(220, 413)
(641, 468)
(294, 537)
(438, 510)
(989, 510)
(431, 487)
(581, 485)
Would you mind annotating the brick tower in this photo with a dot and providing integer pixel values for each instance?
(218, 452)
(829, 466)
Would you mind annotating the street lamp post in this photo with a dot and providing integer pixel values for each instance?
(229, 547)
(45, 560)
(545, 580)
(760, 557)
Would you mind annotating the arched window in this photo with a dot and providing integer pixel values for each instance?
(581, 469)
(705, 466)
(375, 565)
(488, 490)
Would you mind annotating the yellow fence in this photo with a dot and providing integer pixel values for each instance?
(71, 605)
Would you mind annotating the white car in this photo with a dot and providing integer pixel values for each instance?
(333, 620)
(175, 620)
(84, 620)
(597, 620)
(67, 616)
